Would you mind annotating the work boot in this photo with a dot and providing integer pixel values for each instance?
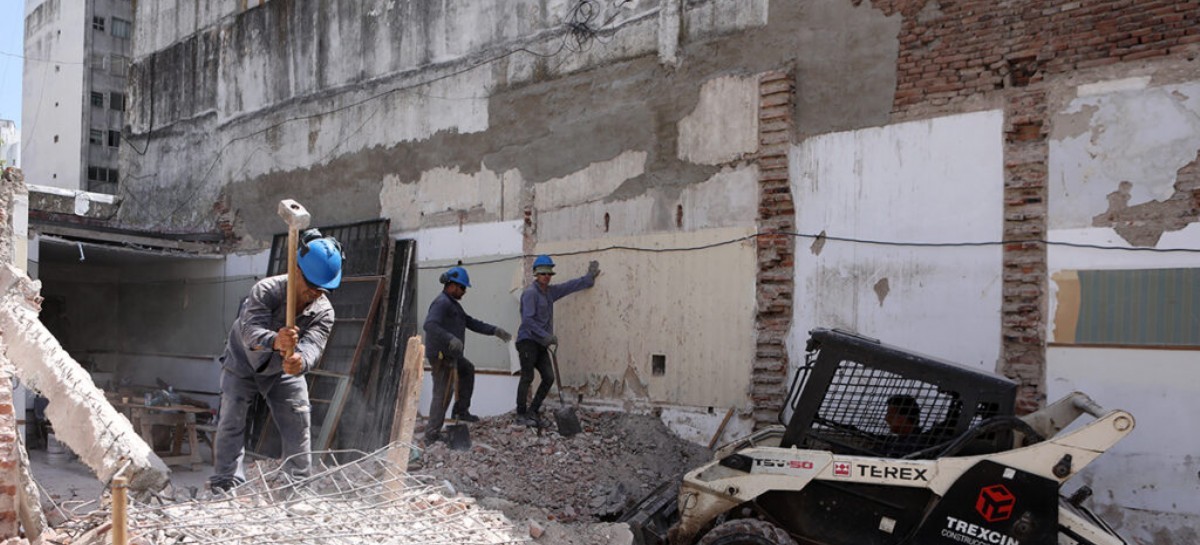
(527, 419)
(466, 417)
(432, 437)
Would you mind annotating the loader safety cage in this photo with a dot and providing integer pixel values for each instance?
(838, 400)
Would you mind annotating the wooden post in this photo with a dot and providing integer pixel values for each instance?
(720, 429)
(119, 524)
(405, 418)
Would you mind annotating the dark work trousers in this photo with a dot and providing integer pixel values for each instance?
(533, 356)
(442, 370)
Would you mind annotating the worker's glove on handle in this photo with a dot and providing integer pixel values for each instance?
(455, 347)
(502, 334)
(593, 269)
(550, 340)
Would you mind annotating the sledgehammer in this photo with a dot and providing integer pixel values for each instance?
(297, 218)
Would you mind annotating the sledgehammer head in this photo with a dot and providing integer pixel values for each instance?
(294, 214)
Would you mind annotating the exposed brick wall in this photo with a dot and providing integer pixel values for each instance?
(1024, 304)
(952, 50)
(963, 55)
(776, 268)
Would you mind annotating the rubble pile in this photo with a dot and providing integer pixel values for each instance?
(591, 477)
(368, 501)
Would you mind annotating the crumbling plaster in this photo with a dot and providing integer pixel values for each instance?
(1120, 141)
(348, 136)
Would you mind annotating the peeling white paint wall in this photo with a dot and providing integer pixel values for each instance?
(410, 205)
(932, 181)
(1140, 136)
(724, 125)
(1113, 132)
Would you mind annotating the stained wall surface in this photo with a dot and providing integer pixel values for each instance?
(1123, 158)
(936, 182)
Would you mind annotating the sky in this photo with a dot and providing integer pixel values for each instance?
(12, 39)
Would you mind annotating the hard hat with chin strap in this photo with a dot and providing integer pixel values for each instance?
(543, 265)
(320, 261)
(458, 275)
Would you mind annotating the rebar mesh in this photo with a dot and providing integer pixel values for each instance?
(370, 500)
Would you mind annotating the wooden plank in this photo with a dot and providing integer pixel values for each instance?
(720, 429)
(405, 418)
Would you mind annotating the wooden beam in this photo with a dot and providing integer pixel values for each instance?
(405, 418)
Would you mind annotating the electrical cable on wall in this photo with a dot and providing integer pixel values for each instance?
(824, 237)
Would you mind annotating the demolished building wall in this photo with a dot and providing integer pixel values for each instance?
(489, 132)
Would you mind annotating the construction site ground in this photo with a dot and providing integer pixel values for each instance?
(553, 489)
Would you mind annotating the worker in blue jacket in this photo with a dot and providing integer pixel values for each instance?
(536, 333)
(446, 327)
(253, 363)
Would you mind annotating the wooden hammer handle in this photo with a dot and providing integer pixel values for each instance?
(293, 279)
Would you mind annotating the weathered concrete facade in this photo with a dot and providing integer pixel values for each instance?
(704, 133)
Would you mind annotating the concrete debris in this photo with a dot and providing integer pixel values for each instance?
(591, 477)
(81, 416)
(367, 501)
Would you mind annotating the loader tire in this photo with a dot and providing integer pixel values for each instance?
(747, 532)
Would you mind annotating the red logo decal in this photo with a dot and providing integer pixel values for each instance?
(841, 469)
(995, 503)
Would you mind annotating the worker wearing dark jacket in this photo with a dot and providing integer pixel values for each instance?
(536, 333)
(446, 327)
(253, 362)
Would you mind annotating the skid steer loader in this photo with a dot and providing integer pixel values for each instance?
(963, 469)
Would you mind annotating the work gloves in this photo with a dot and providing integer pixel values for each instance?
(593, 269)
(503, 335)
(454, 348)
(549, 340)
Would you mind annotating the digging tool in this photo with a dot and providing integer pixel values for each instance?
(564, 416)
(297, 218)
(458, 435)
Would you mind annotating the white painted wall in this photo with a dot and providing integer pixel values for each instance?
(1108, 133)
(934, 181)
(53, 97)
(1146, 485)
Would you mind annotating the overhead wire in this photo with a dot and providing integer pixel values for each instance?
(823, 237)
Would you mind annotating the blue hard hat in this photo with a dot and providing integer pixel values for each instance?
(320, 261)
(543, 265)
(458, 275)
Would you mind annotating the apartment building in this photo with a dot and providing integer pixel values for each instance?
(77, 63)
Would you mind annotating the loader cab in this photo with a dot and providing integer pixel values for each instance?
(857, 396)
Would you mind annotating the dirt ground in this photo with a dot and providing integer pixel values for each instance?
(566, 490)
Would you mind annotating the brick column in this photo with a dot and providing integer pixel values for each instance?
(1024, 305)
(776, 268)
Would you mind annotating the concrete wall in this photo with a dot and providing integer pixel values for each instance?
(52, 110)
(1121, 156)
(933, 181)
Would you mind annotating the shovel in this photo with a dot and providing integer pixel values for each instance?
(564, 416)
(458, 436)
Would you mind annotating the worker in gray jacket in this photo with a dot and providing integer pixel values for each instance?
(446, 326)
(536, 333)
(253, 362)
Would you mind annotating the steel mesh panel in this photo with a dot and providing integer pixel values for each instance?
(852, 416)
